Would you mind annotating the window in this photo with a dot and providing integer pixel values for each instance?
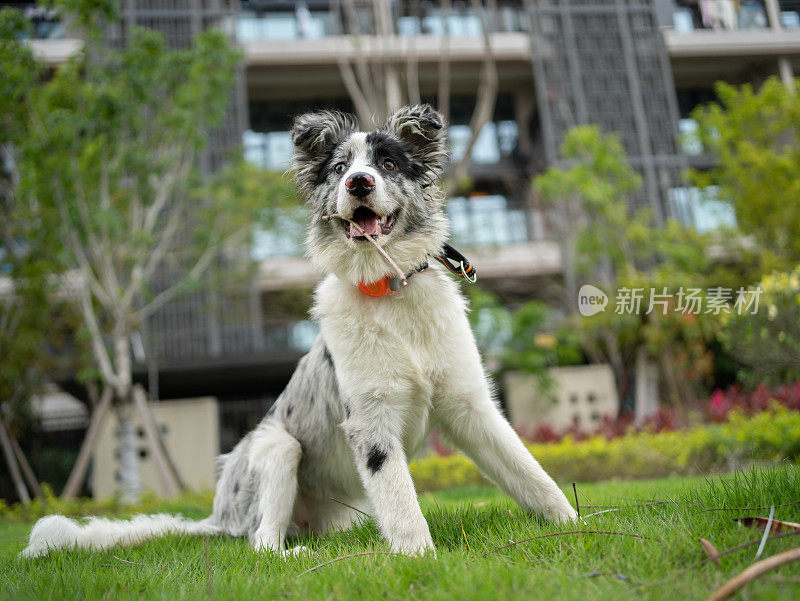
(301, 23)
(689, 138)
(495, 141)
(271, 151)
(702, 208)
(489, 220)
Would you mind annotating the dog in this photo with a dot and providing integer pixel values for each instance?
(385, 369)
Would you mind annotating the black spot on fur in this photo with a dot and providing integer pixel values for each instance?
(375, 458)
(327, 354)
(236, 488)
(289, 410)
(326, 168)
(385, 146)
(347, 410)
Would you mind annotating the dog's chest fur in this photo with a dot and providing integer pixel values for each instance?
(393, 350)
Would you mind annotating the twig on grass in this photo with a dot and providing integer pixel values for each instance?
(577, 505)
(700, 564)
(322, 565)
(133, 563)
(588, 501)
(599, 512)
(383, 253)
(648, 503)
(748, 508)
(753, 572)
(525, 540)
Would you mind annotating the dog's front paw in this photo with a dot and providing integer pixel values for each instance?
(295, 551)
(562, 513)
(414, 547)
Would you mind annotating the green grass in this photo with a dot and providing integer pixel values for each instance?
(465, 524)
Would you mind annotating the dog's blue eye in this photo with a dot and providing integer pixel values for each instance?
(389, 165)
(339, 169)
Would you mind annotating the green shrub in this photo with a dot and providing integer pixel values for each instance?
(772, 436)
(767, 342)
(196, 503)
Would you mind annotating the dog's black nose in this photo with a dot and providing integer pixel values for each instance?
(360, 184)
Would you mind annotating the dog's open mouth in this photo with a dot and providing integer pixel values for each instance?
(372, 224)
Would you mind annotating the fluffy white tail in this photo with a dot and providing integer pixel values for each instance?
(58, 532)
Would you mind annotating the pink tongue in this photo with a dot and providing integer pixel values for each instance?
(368, 224)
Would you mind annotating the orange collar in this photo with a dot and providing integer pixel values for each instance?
(381, 287)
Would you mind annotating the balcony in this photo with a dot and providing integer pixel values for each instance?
(409, 20)
(722, 28)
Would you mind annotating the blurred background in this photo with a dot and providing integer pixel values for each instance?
(153, 285)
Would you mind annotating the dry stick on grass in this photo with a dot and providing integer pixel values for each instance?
(753, 572)
(383, 253)
(133, 563)
(525, 540)
(588, 501)
(748, 508)
(599, 512)
(700, 564)
(577, 505)
(625, 506)
(322, 565)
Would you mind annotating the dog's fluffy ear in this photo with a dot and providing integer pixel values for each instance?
(424, 131)
(314, 135)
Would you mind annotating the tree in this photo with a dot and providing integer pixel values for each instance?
(379, 86)
(24, 307)
(605, 243)
(108, 163)
(754, 138)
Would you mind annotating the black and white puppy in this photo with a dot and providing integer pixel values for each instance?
(383, 372)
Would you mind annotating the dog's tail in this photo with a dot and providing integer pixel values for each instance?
(59, 532)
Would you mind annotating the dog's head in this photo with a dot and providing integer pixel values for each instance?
(385, 181)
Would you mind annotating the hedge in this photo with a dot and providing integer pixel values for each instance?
(769, 436)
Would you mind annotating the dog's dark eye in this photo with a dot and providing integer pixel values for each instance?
(339, 169)
(389, 165)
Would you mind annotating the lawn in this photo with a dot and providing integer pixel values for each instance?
(468, 526)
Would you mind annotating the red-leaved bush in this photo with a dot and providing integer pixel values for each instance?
(722, 402)
(716, 409)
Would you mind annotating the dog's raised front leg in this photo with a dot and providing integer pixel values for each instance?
(466, 414)
(372, 430)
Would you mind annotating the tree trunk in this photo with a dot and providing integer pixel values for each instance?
(130, 481)
(13, 467)
(78, 474)
(27, 471)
